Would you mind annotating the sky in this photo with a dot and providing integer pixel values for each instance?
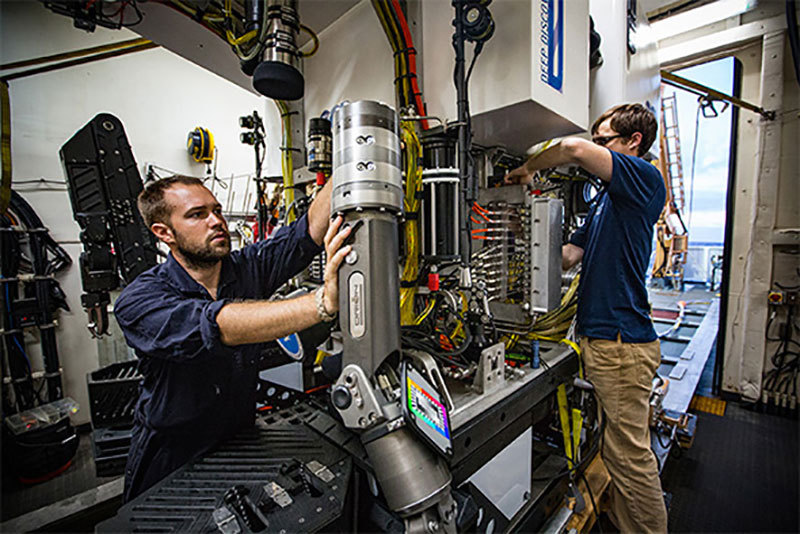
(706, 193)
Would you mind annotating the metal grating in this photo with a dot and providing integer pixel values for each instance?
(186, 500)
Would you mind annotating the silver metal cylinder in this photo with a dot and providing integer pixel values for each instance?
(369, 291)
(368, 190)
(366, 158)
(319, 146)
(283, 25)
(410, 474)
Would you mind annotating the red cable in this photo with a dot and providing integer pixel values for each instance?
(480, 208)
(412, 61)
(46, 477)
(477, 212)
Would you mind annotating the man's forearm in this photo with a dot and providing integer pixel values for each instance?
(259, 320)
(574, 150)
(558, 154)
(319, 214)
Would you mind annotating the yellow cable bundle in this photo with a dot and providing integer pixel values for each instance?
(459, 330)
(393, 34)
(287, 165)
(246, 38)
(413, 153)
(553, 325)
(427, 311)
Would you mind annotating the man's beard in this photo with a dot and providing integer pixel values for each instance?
(203, 256)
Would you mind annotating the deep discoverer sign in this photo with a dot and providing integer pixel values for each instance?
(551, 45)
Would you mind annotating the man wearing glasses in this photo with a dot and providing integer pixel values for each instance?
(618, 343)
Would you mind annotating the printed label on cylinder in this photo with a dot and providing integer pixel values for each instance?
(357, 314)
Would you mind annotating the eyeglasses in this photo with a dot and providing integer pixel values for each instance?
(603, 140)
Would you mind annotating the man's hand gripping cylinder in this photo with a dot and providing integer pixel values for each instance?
(368, 192)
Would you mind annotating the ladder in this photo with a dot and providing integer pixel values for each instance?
(672, 141)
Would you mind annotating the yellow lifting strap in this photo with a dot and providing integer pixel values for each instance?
(5, 149)
(563, 414)
(577, 426)
(574, 346)
(572, 439)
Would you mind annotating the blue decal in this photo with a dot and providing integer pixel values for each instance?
(551, 53)
(292, 346)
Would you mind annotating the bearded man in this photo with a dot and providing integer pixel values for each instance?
(198, 321)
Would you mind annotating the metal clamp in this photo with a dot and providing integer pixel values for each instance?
(491, 369)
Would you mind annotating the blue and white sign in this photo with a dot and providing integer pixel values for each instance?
(291, 345)
(551, 46)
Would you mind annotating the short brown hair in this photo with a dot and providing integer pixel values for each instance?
(627, 119)
(152, 206)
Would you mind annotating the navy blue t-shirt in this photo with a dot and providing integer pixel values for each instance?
(617, 239)
(197, 391)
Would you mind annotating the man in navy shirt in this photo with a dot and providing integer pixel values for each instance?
(198, 321)
(618, 343)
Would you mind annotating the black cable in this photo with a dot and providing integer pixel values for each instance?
(581, 466)
(793, 35)
(476, 52)
(658, 437)
(591, 498)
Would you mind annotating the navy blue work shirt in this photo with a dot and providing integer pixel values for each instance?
(616, 240)
(196, 391)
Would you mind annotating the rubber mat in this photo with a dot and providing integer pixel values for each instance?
(708, 405)
(741, 475)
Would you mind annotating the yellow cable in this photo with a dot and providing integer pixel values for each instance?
(413, 153)
(426, 312)
(5, 148)
(287, 165)
(393, 34)
(314, 37)
(243, 39)
(572, 345)
(236, 41)
(464, 306)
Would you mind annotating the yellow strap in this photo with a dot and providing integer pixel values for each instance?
(5, 149)
(577, 426)
(577, 350)
(321, 355)
(563, 415)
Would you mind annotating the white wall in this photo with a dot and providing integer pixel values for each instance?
(158, 96)
(354, 62)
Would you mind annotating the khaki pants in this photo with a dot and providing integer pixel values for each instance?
(622, 375)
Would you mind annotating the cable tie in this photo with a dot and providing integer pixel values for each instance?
(410, 50)
(409, 75)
